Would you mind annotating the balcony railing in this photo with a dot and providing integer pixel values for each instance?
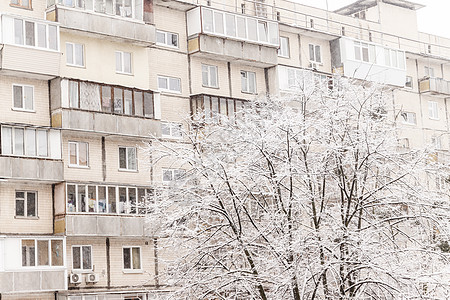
(435, 86)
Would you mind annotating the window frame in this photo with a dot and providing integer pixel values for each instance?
(433, 110)
(407, 119)
(25, 204)
(49, 253)
(168, 89)
(173, 175)
(20, 4)
(280, 51)
(122, 62)
(166, 39)
(429, 71)
(131, 269)
(36, 38)
(24, 144)
(73, 55)
(23, 86)
(126, 159)
(409, 82)
(77, 154)
(173, 127)
(82, 269)
(209, 76)
(247, 87)
(314, 58)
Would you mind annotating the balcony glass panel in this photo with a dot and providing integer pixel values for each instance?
(132, 9)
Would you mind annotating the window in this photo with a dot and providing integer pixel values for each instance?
(21, 3)
(37, 252)
(124, 8)
(209, 76)
(167, 39)
(209, 107)
(123, 62)
(127, 158)
(433, 110)
(169, 84)
(429, 71)
(248, 82)
(121, 8)
(171, 130)
(75, 54)
(409, 82)
(26, 204)
(132, 258)
(409, 118)
(22, 141)
(283, 51)
(82, 258)
(394, 58)
(23, 97)
(35, 34)
(78, 154)
(436, 142)
(314, 53)
(171, 175)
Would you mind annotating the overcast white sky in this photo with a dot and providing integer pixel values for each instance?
(434, 18)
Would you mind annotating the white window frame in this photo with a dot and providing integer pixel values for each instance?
(77, 154)
(36, 35)
(436, 141)
(409, 82)
(36, 142)
(433, 110)
(173, 175)
(25, 204)
(23, 86)
(408, 118)
(246, 89)
(20, 4)
(127, 167)
(173, 128)
(131, 269)
(208, 70)
(429, 71)
(36, 251)
(82, 270)
(284, 51)
(168, 39)
(169, 88)
(314, 58)
(120, 69)
(73, 55)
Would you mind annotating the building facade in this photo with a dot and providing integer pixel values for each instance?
(86, 85)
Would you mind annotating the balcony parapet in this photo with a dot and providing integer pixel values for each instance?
(435, 86)
(32, 281)
(25, 168)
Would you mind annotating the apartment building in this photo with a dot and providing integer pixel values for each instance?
(87, 84)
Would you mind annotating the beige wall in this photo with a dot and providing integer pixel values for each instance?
(42, 224)
(39, 116)
(37, 9)
(171, 20)
(223, 88)
(236, 86)
(325, 66)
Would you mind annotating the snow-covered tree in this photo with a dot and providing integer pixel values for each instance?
(307, 196)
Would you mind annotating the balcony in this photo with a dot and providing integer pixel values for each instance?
(368, 61)
(225, 36)
(126, 24)
(435, 86)
(30, 48)
(209, 108)
(23, 168)
(96, 107)
(32, 281)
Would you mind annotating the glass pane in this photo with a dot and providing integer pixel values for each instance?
(18, 141)
(207, 20)
(165, 129)
(132, 199)
(92, 199)
(119, 62)
(174, 84)
(6, 140)
(122, 158)
(317, 54)
(30, 142)
(138, 105)
(357, 51)
(102, 199)
(205, 80)
(141, 201)
(230, 22)
(167, 175)
(29, 33)
(87, 264)
(128, 95)
(160, 37)
(213, 75)
(28, 97)
(218, 22)
(127, 62)
(18, 98)
(28, 253)
(394, 58)
(73, 94)
(372, 54)
(20, 206)
(401, 60)
(18, 31)
(31, 204)
(131, 152)
(387, 57)
(273, 33)
(122, 200)
(173, 39)
(136, 258)
(262, 30)
(57, 252)
(118, 101)
(76, 257)
(73, 154)
(241, 26)
(244, 82)
(53, 37)
(79, 60)
(106, 99)
(111, 199)
(365, 53)
(126, 258)
(71, 198)
(42, 142)
(42, 247)
(252, 29)
(81, 198)
(83, 154)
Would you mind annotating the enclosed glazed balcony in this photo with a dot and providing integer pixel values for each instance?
(104, 108)
(129, 20)
(30, 47)
(31, 153)
(368, 61)
(210, 108)
(32, 264)
(435, 86)
(232, 37)
(101, 210)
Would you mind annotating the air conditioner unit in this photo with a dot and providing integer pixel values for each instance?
(75, 278)
(312, 66)
(92, 278)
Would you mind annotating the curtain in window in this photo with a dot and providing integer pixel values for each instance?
(89, 96)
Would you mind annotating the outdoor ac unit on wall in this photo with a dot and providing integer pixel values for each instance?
(75, 278)
(92, 278)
